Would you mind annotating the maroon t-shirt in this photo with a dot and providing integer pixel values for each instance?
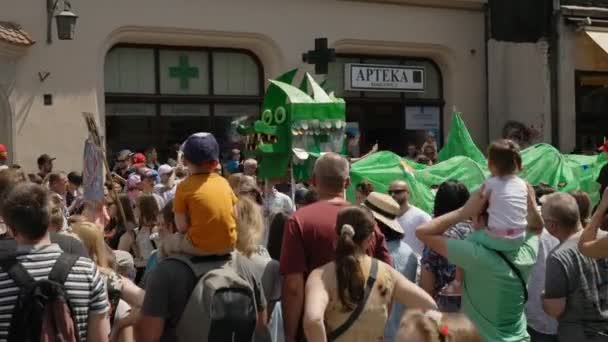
(310, 239)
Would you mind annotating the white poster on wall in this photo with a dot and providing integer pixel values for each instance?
(422, 118)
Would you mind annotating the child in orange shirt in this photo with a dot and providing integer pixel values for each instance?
(204, 203)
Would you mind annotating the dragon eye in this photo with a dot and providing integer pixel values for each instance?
(280, 115)
(267, 116)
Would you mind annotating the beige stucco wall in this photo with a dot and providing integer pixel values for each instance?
(566, 88)
(278, 31)
(578, 52)
(519, 86)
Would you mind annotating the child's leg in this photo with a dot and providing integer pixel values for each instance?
(170, 245)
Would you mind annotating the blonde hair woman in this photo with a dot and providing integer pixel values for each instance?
(250, 226)
(235, 181)
(435, 326)
(118, 287)
(250, 229)
(93, 241)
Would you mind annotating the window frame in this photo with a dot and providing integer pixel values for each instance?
(211, 99)
(580, 121)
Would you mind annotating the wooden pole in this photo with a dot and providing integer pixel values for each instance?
(113, 193)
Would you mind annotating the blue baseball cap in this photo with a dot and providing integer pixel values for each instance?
(351, 132)
(201, 148)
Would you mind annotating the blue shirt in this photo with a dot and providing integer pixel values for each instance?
(406, 263)
(232, 166)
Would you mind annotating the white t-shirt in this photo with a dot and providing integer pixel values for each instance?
(413, 218)
(123, 309)
(275, 202)
(508, 205)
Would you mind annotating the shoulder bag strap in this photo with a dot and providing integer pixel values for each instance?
(517, 273)
(17, 272)
(61, 269)
(373, 273)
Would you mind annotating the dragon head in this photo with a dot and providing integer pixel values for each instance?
(293, 119)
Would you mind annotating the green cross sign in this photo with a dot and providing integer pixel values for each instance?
(184, 72)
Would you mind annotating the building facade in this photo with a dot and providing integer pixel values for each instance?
(583, 73)
(548, 69)
(153, 71)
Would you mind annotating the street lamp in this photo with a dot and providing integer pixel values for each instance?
(66, 21)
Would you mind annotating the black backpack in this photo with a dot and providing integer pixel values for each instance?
(42, 312)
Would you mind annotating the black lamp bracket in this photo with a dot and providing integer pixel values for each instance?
(51, 7)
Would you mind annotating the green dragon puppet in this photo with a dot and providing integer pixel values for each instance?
(294, 125)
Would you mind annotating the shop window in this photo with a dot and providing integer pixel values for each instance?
(128, 125)
(235, 74)
(129, 71)
(184, 72)
(130, 109)
(592, 105)
(160, 95)
(180, 119)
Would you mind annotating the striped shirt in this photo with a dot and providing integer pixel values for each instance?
(84, 286)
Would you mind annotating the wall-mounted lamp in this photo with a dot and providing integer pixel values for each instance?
(66, 21)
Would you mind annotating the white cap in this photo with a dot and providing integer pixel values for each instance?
(133, 181)
(165, 169)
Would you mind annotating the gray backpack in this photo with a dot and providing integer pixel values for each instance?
(222, 306)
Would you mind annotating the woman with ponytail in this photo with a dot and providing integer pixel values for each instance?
(355, 287)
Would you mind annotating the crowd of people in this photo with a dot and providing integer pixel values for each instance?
(199, 249)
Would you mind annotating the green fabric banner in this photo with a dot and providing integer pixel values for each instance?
(461, 160)
(460, 143)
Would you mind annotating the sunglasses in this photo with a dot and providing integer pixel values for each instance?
(396, 192)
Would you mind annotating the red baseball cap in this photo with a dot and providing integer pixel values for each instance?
(139, 158)
(3, 152)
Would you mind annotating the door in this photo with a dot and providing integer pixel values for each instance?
(591, 110)
(380, 123)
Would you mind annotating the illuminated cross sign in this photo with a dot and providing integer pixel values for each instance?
(184, 72)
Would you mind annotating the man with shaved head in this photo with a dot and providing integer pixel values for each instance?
(309, 240)
(411, 217)
(576, 291)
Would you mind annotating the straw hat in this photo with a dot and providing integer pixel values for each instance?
(385, 209)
